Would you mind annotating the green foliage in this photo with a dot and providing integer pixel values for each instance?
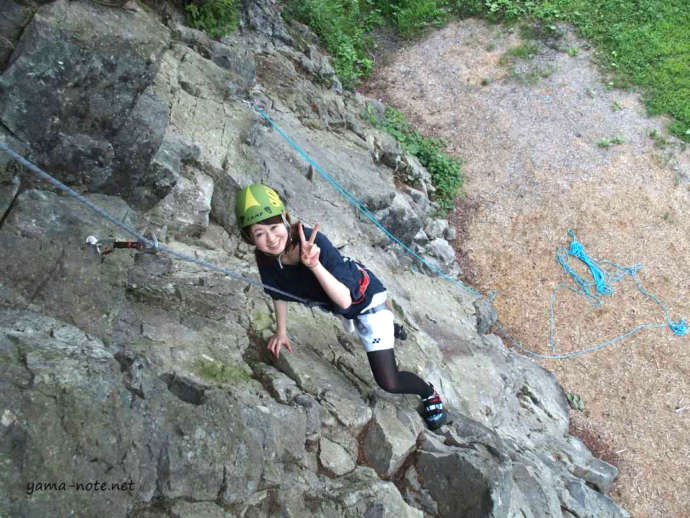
(219, 372)
(658, 138)
(412, 16)
(525, 51)
(445, 170)
(216, 17)
(608, 142)
(344, 28)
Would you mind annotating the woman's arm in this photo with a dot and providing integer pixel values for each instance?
(336, 290)
(309, 255)
(280, 338)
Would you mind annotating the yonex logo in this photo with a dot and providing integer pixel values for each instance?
(376, 341)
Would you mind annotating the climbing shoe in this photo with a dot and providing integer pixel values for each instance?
(434, 414)
(399, 332)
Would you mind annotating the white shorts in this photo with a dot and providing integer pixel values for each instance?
(375, 329)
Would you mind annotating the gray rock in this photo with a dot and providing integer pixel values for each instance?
(199, 510)
(417, 174)
(8, 192)
(363, 494)
(278, 384)
(387, 442)
(52, 266)
(421, 239)
(375, 107)
(436, 228)
(67, 59)
(313, 410)
(328, 385)
(386, 149)
(578, 499)
(10, 173)
(13, 19)
(74, 384)
(263, 17)
(334, 459)
(401, 219)
(137, 143)
(185, 210)
(441, 250)
(581, 463)
(82, 160)
(486, 315)
(467, 481)
(415, 494)
(235, 57)
(420, 201)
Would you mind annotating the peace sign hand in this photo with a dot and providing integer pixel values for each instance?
(309, 251)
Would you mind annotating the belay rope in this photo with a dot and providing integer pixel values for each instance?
(143, 242)
(601, 278)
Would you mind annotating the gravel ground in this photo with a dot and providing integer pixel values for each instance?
(528, 132)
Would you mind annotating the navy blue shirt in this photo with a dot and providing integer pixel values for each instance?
(300, 281)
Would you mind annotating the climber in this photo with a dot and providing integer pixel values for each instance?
(303, 262)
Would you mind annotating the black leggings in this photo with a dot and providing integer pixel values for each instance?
(390, 379)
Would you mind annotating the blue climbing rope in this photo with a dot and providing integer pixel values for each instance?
(602, 280)
(362, 208)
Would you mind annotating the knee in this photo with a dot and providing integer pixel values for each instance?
(387, 384)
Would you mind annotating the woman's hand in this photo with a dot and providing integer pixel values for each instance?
(309, 251)
(276, 342)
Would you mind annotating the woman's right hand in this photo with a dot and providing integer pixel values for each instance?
(276, 342)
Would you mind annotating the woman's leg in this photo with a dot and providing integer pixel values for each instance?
(390, 379)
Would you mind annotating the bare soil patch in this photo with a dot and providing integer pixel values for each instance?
(528, 132)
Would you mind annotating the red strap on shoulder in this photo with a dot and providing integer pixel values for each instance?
(363, 285)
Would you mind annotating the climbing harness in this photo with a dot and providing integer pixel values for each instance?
(104, 247)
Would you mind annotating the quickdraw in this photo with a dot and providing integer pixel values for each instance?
(104, 247)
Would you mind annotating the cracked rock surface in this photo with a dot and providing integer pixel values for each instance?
(151, 372)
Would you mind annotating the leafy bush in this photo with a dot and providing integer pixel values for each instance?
(343, 28)
(445, 170)
(412, 16)
(216, 17)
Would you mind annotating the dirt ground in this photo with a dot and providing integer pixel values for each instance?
(528, 133)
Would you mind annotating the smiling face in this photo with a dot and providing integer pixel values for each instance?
(269, 237)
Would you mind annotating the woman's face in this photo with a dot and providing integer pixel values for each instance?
(270, 239)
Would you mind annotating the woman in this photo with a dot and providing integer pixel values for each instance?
(303, 262)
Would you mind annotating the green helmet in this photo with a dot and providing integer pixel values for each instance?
(257, 203)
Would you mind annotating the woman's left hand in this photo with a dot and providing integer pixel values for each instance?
(309, 250)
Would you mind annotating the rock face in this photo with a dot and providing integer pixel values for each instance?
(140, 386)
